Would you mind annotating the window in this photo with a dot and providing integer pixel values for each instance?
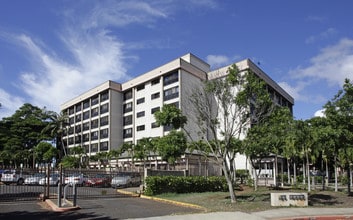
(71, 120)
(94, 135)
(104, 108)
(103, 146)
(78, 118)
(168, 128)
(139, 101)
(155, 125)
(77, 128)
(94, 147)
(78, 139)
(94, 112)
(104, 133)
(104, 121)
(171, 78)
(127, 133)
(71, 130)
(155, 81)
(85, 126)
(140, 128)
(71, 140)
(94, 100)
(171, 93)
(140, 87)
(94, 124)
(104, 96)
(155, 110)
(86, 115)
(127, 107)
(78, 107)
(127, 120)
(140, 114)
(71, 110)
(85, 137)
(85, 104)
(86, 148)
(128, 95)
(155, 95)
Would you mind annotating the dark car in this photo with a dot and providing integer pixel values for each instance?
(99, 180)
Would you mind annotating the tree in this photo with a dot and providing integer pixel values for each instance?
(23, 132)
(171, 146)
(44, 152)
(268, 137)
(339, 112)
(56, 127)
(225, 108)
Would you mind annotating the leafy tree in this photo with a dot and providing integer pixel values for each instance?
(23, 132)
(339, 112)
(225, 108)
(170, 116)
(56, 128)
(267, 138)
(171, 146)
(44, 152)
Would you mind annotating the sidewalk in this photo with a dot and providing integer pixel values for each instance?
(274, 214)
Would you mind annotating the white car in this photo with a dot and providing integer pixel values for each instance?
(54, 180)
(13, 176)
(77, 179)
(34, 179)
(126, 180)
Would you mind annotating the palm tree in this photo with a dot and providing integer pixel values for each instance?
(57, 126)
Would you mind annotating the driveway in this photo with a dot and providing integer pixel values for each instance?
(102, 208)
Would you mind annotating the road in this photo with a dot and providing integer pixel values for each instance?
(118, 207)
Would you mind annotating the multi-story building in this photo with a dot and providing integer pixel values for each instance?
(111, 114)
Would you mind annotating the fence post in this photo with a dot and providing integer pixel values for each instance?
(75, 195)
(59, 186)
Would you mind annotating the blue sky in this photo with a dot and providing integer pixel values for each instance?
(52, 51)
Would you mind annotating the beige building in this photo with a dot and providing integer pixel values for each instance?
(110, 114)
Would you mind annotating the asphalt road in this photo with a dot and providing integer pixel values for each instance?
(99, 208)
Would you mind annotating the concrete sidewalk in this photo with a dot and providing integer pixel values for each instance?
(274, 214)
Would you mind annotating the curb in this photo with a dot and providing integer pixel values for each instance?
(55, 208)
(135, 194)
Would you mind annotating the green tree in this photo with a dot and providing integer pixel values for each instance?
(55, 129)
(339, 112)
(171, 146)
(225, 108)
(44, 152)
(170, 116)
(268, 137)
(23, 132)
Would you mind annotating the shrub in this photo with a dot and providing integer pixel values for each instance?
(178, 184)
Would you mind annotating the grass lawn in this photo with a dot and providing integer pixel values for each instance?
(249, 200)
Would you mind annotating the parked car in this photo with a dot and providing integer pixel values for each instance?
(77, 178)
(99, 180)
(54, 180)
(14, 176)
(34, 179)
(126, 180)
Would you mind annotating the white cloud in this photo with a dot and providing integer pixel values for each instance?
(220, 60)
(320, 113)
(9, 103)
(321, 36)
(333, 64)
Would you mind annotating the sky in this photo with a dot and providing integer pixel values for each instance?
(53, 51)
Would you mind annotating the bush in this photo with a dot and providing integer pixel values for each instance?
(178, 184)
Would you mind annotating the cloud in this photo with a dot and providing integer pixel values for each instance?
(320, 113)
(321, 36)
(333, 64)
(220, 60)
(9, 103)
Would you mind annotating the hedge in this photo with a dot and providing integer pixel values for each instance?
(179, 184)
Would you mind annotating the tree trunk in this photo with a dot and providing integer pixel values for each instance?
(288, 173)
(336, 176)
(229, 182)
(294, 173)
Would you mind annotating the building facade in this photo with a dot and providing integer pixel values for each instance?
(105, 117)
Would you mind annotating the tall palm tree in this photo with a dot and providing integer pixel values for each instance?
(57, 126)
